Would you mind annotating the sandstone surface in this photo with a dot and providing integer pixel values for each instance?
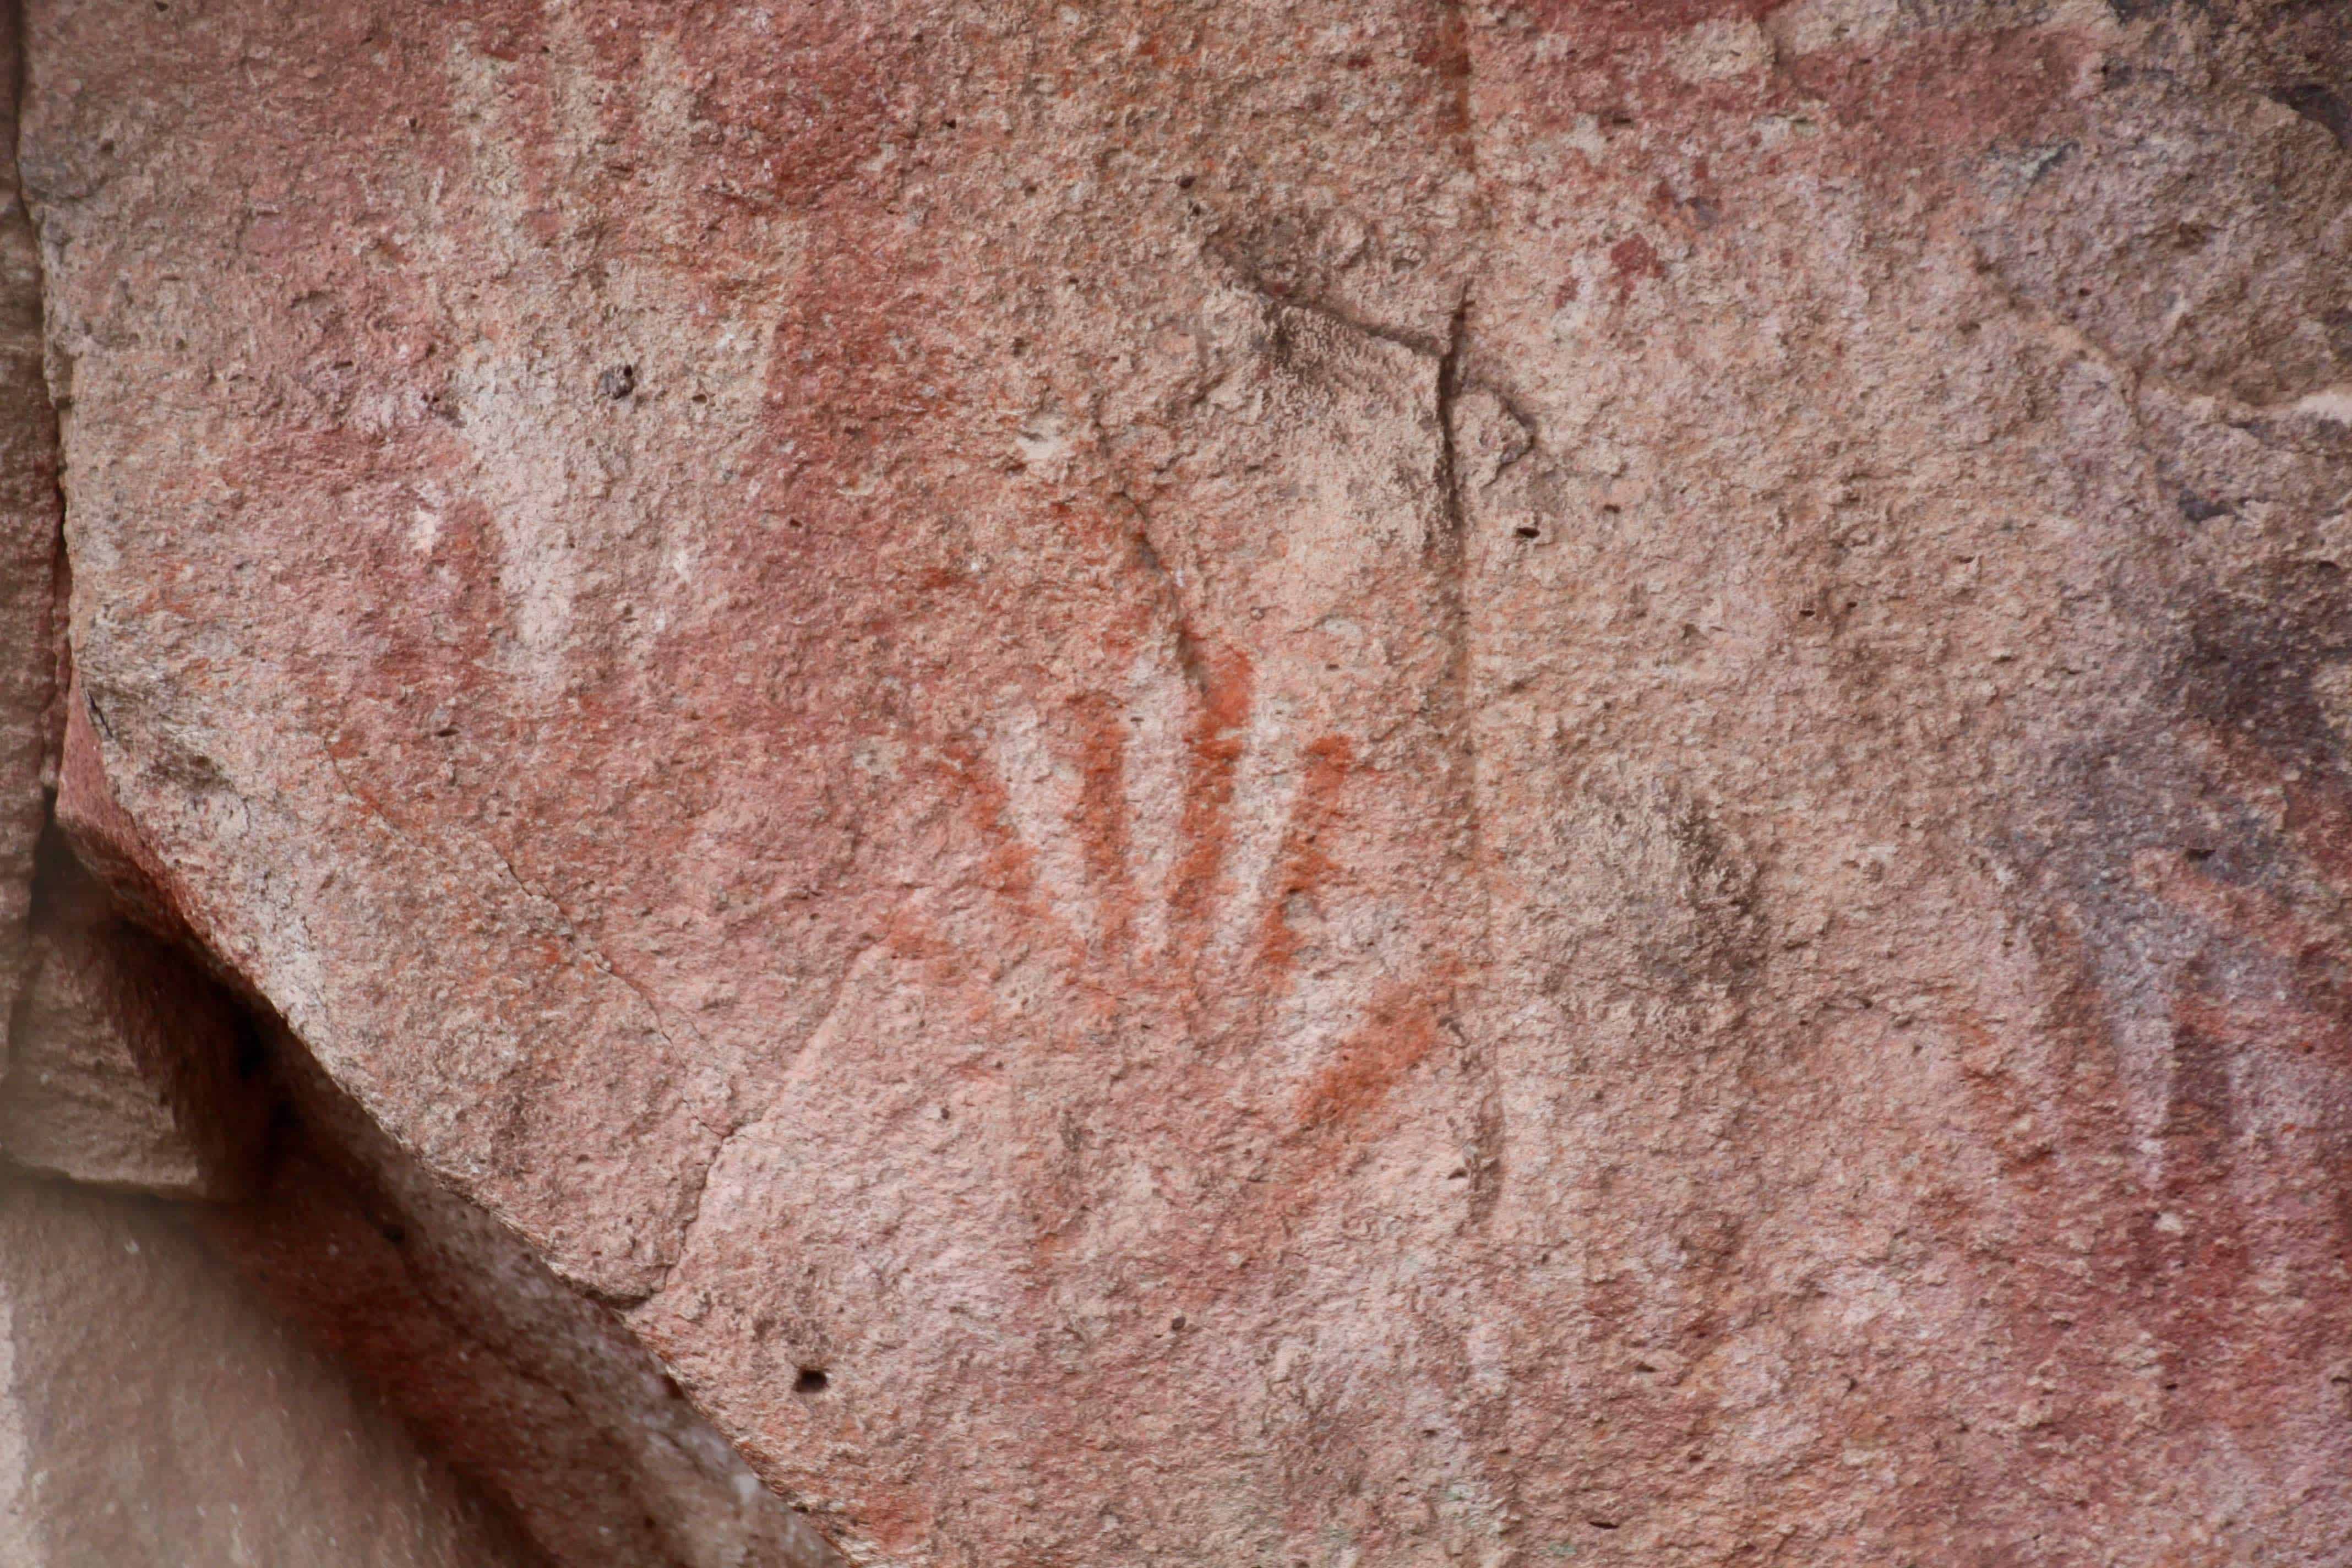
(537, 1399)
(154, 1414)
(30, 560)
(1299, 782)
(124, 1060)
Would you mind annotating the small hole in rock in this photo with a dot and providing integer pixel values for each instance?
(811, 1381)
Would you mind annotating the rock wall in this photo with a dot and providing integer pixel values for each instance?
(31, 558)
(153, 1415)
(1307, 782)
(536, 1397)
(327, 1356)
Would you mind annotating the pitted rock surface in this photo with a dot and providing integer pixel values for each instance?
(1311, 782)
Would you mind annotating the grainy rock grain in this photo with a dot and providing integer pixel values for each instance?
(1374, 782)
(154, 1415)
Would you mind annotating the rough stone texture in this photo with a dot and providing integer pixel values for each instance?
(126, 1063)
(152, 1410)
(29, 556)
(1373, 783)
(538, 1398)
(153, 1416)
